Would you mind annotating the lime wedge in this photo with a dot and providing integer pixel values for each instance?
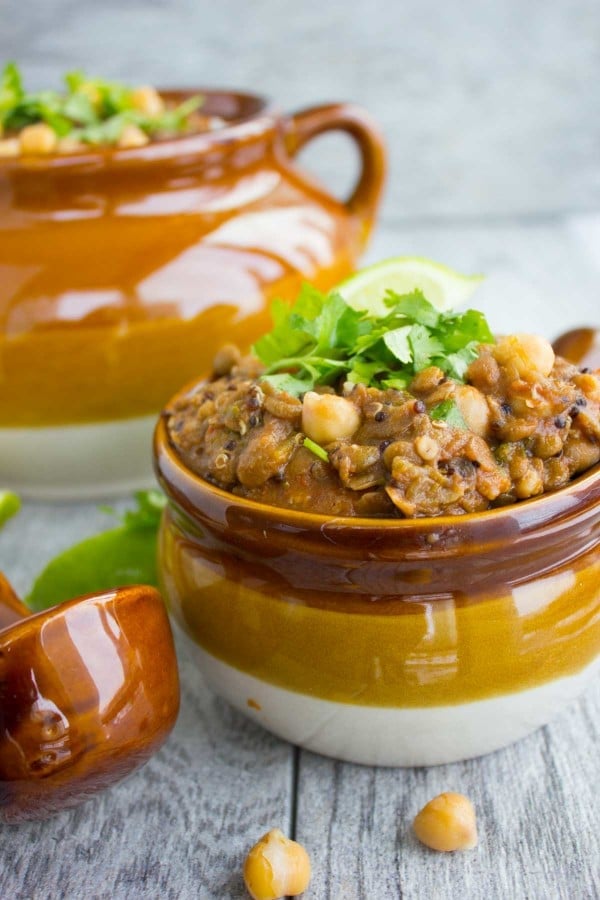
(443, 287)
(9, 505)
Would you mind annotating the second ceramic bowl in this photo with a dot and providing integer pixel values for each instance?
(89, 690)
(390, 642)
(124, 269)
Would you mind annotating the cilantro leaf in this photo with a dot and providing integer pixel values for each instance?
(283, 381)
(364, 372)
(11, 90)
(79, 108)
(93, 110)
(448, 411)
(424, 345)
(413, 306)
(397, 341)
(320, 339)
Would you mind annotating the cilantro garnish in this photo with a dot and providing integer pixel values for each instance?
(321, 339)
(90, 110)
(448, 411)
(316, 449)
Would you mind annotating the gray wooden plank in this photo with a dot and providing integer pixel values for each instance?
(181, 826)
(538, 813)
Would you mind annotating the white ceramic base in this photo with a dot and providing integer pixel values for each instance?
(388, 736)
(73, 462)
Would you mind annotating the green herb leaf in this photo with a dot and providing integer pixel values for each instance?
(176, 119)
(414, 307)
(79, 109)
(92, 109)
(425, 345)
(123, 555)
(147, 514)
(364, 372)
(11, 90)
(9, 506)
(397, 341)
(74, 80)
(321, 339)
(289, 383)
(316, 449)
(448, 411)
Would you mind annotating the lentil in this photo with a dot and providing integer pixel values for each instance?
(527, 433)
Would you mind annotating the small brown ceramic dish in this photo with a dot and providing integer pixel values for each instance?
(88, 692)
(123, 269)
(393, 642)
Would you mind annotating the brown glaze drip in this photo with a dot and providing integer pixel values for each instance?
(88, 691)
(125, 269)
(11, 608)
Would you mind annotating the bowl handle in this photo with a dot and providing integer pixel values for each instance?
(301, 127)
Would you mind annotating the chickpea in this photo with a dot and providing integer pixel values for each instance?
(426, 447)
(276, 867)
(9, 147)
(68, 145)
(226, 358)
(132, 136)
(529, 485)
(38, 139)
(447, 823)
(327, 417)
(474, 409)
(529, 355)
(147, 100)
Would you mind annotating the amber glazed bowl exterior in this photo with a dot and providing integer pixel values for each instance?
(391, 642)
(89, 691)
(124, 270)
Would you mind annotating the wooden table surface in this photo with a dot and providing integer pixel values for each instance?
(491, 112)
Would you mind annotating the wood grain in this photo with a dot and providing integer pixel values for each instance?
(538, 812)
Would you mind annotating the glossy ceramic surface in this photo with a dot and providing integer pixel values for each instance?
(88, 691)
(412, 617)
(123, 270)
(580, 346)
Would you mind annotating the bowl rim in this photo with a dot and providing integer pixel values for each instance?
(248, 127)
(532, 513)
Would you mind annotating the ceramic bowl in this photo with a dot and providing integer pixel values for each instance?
(89, 690)
(124, 269)
(386, 642)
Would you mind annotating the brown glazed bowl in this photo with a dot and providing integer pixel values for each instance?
(390, 642)
(123, 270)
(89, 691)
